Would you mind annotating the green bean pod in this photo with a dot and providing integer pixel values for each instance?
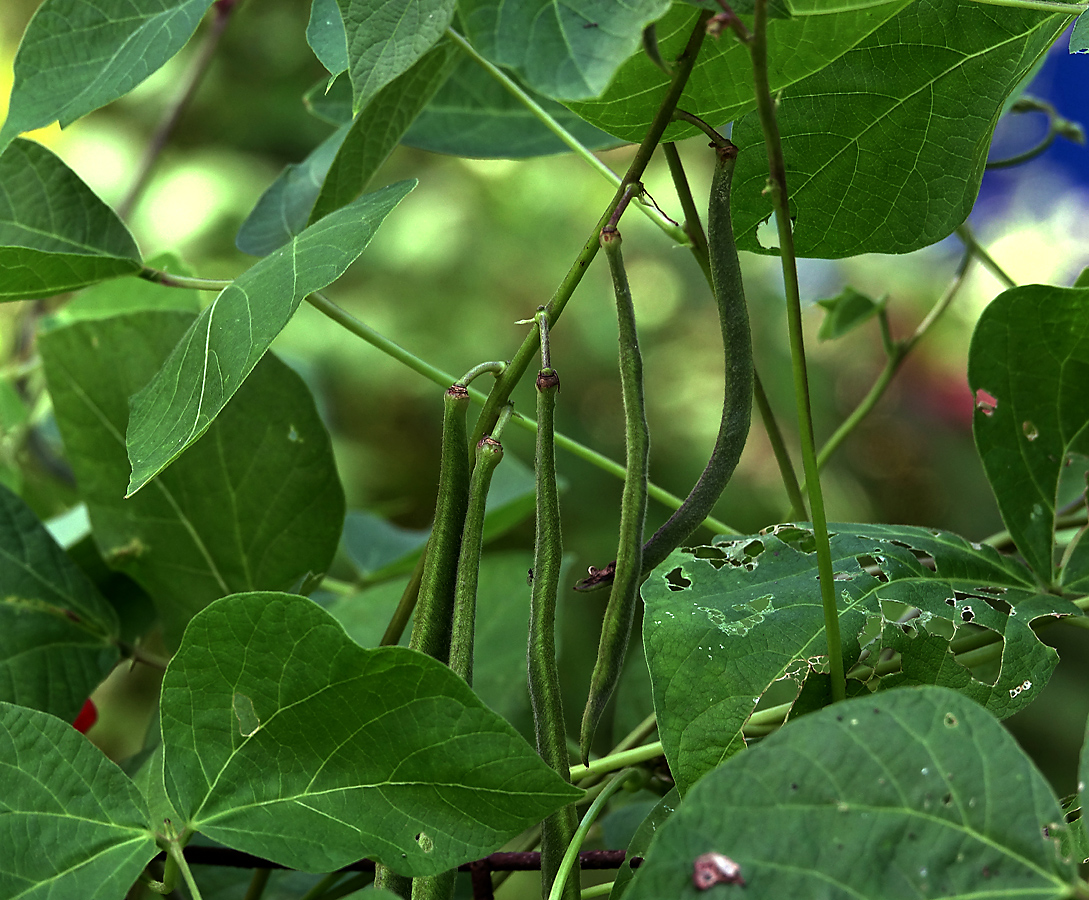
(489, 453)
(733, 429)
(733, 317)
(435, 606)
(544, 676)
(616, 629)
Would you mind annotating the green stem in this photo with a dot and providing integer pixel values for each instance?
(898, 352)
(779, 450)
(322, 886)
(157, 276)
(969, 239)
(614, 761)
(405, 606)
(570, 858)
(258, 883)
(778, 188)
(598, 890)
(350, 886)
(495, 367)
(524, 357)
(174, 851)
(628, 571)
(562, 133)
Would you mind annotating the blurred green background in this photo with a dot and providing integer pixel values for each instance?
(479, 245)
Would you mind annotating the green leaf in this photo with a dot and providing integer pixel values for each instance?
(885, 147)
(221, 348)
(55, 234)
(77, 56)
(569, 50)
(720, 89)
(386, 37)
(1074, 839)
(72, 825)
(326, 37)
(331, 101)
(254, 505)
(127, 295)
(847, 311)
(915, 793)
(640, 841)
(1079, 36)
(725, 624)
(379, 549)
(474, 115)
(343, 164)
(382, 753)
(57, 633)
(284, 208)
(1030, 353)
(378, 129)
(1081, 830)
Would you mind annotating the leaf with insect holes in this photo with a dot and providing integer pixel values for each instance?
(885, 147)
(76, 56)
(913, 793)
(725, 623)
(285, 739)
(720, 88)
(229, 337)
(72, 825)
(1030, 353)
(55, 234)
(57, 633)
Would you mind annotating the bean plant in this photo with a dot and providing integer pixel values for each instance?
(827, 697)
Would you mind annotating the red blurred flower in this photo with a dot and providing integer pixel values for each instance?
(86, 718)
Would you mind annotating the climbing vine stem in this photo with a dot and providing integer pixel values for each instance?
(777, 188)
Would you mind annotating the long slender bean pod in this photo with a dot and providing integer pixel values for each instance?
(489, 452)
(616, 629)
(733, 427)
(733, 319)
(544, 676)
(435, 607)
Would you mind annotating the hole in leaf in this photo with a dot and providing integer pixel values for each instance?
(950, 720)
(676, 580)
(986, 402)
(1030, 430)
(799, 539)
(426, 844)
(248, 723)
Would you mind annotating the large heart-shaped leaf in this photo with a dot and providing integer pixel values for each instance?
(565, 50)
(57, 633)
(55, 234)
(720, 88)
(76, 56)
(723, 623)
(255, 505)
(904, 121)
(221, 348)
(286, 739)
(914, 793)
(72, 825)
(1030, 353)
(385, 38)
